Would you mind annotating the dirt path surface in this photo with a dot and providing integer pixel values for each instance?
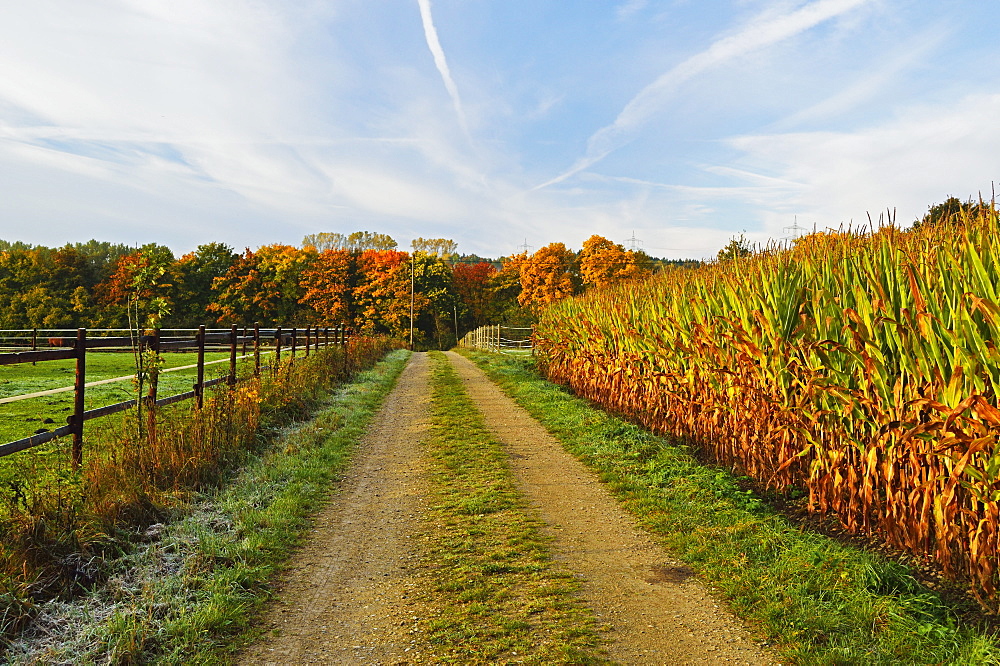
(348, 597)
(659, 613)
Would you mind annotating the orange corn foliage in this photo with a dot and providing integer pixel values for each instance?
(864, 369)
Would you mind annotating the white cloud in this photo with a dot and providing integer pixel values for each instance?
(630, 8)
(765, 31)
(434, 45)
(918, 158)
(872, 83)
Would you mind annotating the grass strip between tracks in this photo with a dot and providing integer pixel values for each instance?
(502, 598)
(819, 601)
(190, 595)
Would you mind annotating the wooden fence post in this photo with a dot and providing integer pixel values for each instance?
(152, 342)
(277, 346)
(256, 349)
(308, 331)
(244, 340)
(78, 388)
(199, 387)
(343, 335)
(232, 355)
(295, 339)
(34, 341)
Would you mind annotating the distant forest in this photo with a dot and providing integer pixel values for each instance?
(362, 280)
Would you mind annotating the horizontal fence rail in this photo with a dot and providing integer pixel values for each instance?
(499, 339)
(22, 346)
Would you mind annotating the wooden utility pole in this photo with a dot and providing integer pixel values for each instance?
(411, 297)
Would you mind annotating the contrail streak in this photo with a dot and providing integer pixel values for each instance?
(756, 35)
(434, 44)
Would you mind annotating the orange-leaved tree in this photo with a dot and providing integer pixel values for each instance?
(137, 294)
(546, 276)
(329, 284)
(604, 263)
(471, 283)
(263, 286)
(382, 295)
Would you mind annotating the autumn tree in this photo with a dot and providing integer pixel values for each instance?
(137, 293)
(604, 263)
(471, 283)
(192, 277)
(546, 276)
(329, 284)
(262, 286)
(382, 294)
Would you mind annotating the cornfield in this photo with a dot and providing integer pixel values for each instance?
(860, 368)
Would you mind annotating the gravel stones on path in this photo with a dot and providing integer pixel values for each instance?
(657, 611)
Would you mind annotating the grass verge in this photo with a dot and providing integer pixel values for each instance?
(819, 601)
(502, 598)
(188, 594)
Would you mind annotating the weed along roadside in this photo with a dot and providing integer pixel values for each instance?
(816, 599)
(169, 553)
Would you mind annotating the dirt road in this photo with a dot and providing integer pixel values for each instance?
(659, 612)
(349, 597)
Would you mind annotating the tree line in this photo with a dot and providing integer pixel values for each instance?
(361, 279)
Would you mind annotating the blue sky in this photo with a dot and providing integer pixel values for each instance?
(492, 122)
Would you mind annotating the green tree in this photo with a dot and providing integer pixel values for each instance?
(440, 247)
(359, 241)
(437, 307)
(192, 277)
(951, 211)
(736, 248)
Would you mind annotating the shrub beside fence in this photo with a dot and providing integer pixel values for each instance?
(77, 348)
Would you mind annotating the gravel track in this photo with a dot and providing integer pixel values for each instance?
(658, 612)
(351, 594)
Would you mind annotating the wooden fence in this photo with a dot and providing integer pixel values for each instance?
(499, 339)
(77, 348)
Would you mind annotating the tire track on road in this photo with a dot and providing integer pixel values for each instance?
(349, 595)
(657, 611)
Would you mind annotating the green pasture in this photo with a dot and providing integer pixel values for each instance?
(24, 417)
